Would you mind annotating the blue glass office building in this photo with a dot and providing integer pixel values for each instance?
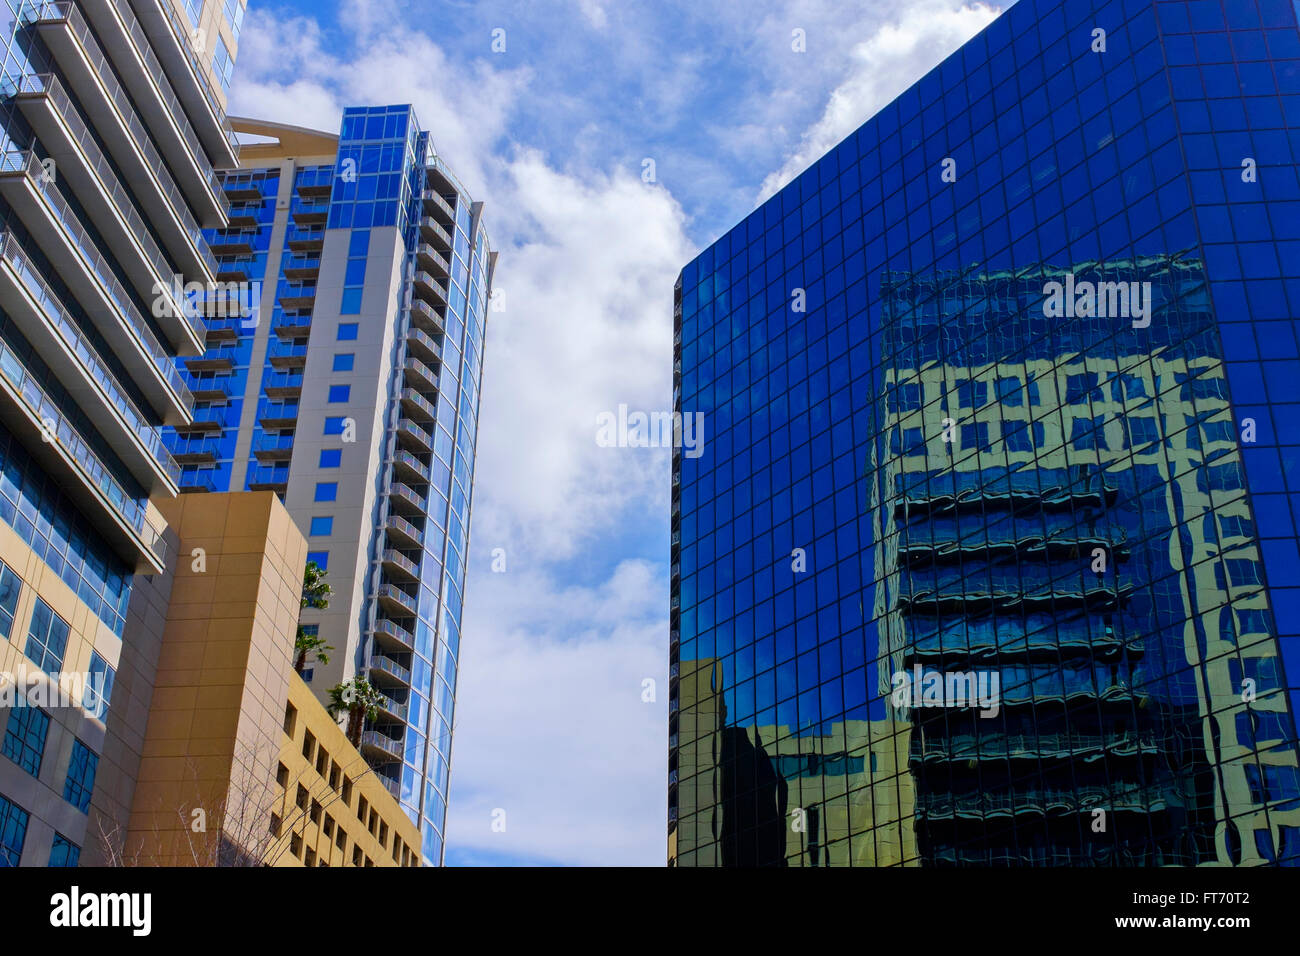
(353, 393)
(991, 558)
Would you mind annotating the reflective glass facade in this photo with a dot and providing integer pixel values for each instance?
(991, 558)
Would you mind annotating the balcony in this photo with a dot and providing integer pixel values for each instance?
(424, 317)
(269, 447)
(111, 111)
(39, 314)
(210, 417)
(422, 345)
(388, 670)
(432, 261)
(306, 239)
(283, 383)
(417, 406)
(405, 498)
(222, 358)
(298, 267)
(399, 565)
(392, 708)
(284, 354)
(439, 208)
(296, 296)
(430, 289)
(137, 64)
(197, 450)
(415, 435)
(86, 273)
(375, 743)
(80, 164)
(309, 212)
(269, 477)
(405, 534)
(275, 414)
(293, 325)
(210, 386)
(239, 189)
(56, 444)
(420, 375)
(230, 242)
(390, 633)
(244, 216)
(438, 237)
(223, 331)
(169, 37)
(408, 466)
(236, 268)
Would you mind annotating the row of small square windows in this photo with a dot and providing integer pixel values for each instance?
(332, 774)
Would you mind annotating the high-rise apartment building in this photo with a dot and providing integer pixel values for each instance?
(352, 392)
(112, 114)
(992, 558)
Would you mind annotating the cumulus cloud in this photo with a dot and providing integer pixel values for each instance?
(883, 65)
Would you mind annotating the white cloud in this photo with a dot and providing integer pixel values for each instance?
(885, 64)
(552, 727)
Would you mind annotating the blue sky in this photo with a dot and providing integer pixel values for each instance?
(553, 134)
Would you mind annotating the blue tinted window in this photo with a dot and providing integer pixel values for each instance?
(321, 526)
(327, 490)
(348, 331)
(80, 783)
(330, 457)
(63, 852)
(343, 362)
(25, 737)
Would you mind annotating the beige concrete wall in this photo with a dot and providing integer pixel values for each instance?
(350, 817)
(223, 672)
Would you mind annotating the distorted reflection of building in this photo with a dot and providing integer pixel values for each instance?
(776, 797)
(1054, 494)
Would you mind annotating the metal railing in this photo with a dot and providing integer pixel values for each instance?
(84, 458)
(25, 161)
(181, 35)
(58, 319)
(67, 11)
(49, 85)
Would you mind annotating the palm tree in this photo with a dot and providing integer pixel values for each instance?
(315, 594)
(361, 701)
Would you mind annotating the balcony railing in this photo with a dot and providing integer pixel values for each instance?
(373, 738)
(268, 477)
(272, 446)
(58, 319)
(152, 164)
(281, 352)
(171, 114)
(395, 631)
(403, 528)
(401, 562)
(28, 391)
(406, 493)
(99, 270)
(432, 200)
(161, 18)
(414, 432)
(409, 461)
(113, 197)
(421, 340)
(435, 232)
(387, 665)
